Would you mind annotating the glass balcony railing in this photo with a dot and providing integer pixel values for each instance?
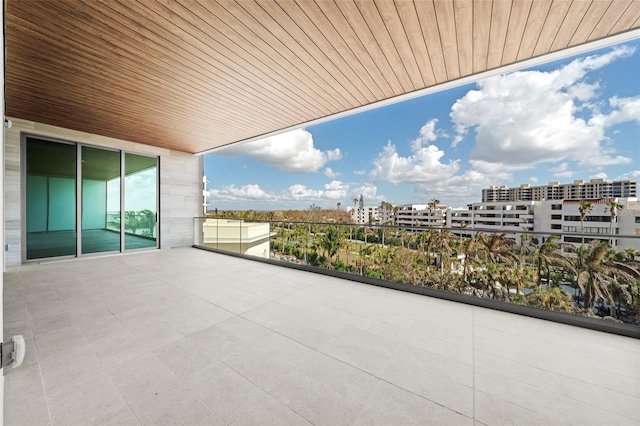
(599, 278)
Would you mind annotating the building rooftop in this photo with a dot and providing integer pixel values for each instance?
(192, 337)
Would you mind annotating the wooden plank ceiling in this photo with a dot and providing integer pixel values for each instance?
(192, 75)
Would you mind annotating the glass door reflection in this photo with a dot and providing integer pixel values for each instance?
(100, 200)
(50, 199)
(140, 201)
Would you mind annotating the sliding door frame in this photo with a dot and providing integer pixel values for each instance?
(79, 178)
(123, 154)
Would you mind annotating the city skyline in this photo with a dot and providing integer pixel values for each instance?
(577, 118)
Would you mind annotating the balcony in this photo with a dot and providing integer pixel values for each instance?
(192, 337)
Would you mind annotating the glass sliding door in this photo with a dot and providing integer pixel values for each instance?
(81, 199)
(140, 201)
(100, 200)
(50, 199)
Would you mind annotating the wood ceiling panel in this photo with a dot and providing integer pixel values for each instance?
(533, 29)
(463, 10)
(192, 75)
(237, 66)
(270, 59)
(411, 24)
(515, 31)
(301, 44)
(336, 60)
(123, 71)
(570, 24)
(360, 26)
(613, 14)
(448, 38)
(555, 18)
(361, 58)
(500, 14)
(407, 73)
(429, 24)
(387, 16)
(481, 31)
(591, 19)
(630, 19)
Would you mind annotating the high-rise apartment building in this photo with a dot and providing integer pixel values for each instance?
(579, 189)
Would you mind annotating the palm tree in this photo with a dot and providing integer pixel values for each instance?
(302, 235)
(331, 242)
(433, 204)
(499, 248)
(131, 221)
(548, 256)
(364, 252)
(613, 207)
(415, 270)
(355, 203)
(553, 299)
(443, 246)
(470, 255)
(584, 208)
(601, 276)
(148, 221)
(385, 261)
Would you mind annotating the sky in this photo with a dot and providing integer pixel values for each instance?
(576, 118)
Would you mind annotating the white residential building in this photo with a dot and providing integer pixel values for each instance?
(420, 216)
(564, 216)
(517, 217)
(552, 216)
(365, 215)
(513, 218)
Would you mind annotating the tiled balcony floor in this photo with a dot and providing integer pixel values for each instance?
(190, 337)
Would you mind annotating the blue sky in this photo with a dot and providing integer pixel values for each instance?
(577, 118)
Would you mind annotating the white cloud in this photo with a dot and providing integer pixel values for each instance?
(561, 171)
(301, 192)
(455, 190)
(624, 109)
(369, 193)
(335, 190)
(428, 133)
(598, 176)
(292, 152)
(533, 179)
(253, 193)
(328, 172)
(631, 175)
(232, 193)
(359, 172)
(422, 166)
(529, 117)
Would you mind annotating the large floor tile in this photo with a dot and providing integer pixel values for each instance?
(315, 402)
(157, 396)
(22, 385)
(33, 412)
(134, 339)
(232, 396)
(94, 400)
(563, 409)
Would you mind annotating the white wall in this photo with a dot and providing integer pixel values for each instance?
(180, 184)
